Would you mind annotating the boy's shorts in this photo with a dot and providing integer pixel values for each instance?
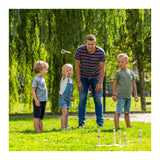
(39, 111)
(123, 102)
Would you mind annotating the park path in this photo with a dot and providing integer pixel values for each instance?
(140, 117)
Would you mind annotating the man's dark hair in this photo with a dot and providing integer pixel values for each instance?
(91, 37)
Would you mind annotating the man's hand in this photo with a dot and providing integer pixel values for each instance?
(79, 86)
(98, 87)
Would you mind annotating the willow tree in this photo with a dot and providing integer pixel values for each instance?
(139, 39)
(24, 50)
(37, 34)
(40, 34)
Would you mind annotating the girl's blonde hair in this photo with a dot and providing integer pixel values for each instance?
(65, 66)
(39, 65)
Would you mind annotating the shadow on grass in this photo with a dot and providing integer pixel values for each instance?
(20, 119)
(34, 132)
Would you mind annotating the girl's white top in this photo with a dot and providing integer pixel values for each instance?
(63, 84)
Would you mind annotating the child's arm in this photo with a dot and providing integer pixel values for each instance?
(34, 96)
(114, 97)
(135, 91)
(72, 99)
(64, 76)
(64, 70)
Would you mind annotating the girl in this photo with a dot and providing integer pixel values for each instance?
(66, 89)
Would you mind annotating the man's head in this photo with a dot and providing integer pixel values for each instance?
(91, 43)
(90, 37)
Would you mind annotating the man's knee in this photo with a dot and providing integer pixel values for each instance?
(82, 100)
(97, 100)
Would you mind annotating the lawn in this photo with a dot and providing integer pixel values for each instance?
(23, 108)
(23, 138)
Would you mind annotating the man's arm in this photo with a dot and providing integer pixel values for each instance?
(101, 76)
(102, 71)
(77, 68)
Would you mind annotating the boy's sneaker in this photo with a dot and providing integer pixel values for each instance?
(81, 125)
(68, 128)
(100, 125)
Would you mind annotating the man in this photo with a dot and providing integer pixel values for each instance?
(90, 69)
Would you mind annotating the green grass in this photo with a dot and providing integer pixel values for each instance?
(23, 138)
(22, 108)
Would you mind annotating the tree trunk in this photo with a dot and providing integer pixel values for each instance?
(142, 82)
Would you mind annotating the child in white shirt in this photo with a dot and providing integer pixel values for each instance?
(65, 93)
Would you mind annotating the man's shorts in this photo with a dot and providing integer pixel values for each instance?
(123, 102)
(39, 111)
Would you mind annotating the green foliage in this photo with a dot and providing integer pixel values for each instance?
(23, 138)
(139, 40)
(40, 34)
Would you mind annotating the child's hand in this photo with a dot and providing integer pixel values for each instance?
(114, 98)
(64, 70)
(72, 99)
(37, 103)
(136, 98)
(64, 76)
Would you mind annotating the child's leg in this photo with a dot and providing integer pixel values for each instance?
(43, 106)
(63, 118)
(127, 120)
(127, 111)
(36, 124)
(66, 125)
(116, 120)
(36, 117)
(40, 124)
(120, 105)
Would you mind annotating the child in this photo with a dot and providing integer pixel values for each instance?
(66, 89)
(124, 81)
(39, 93)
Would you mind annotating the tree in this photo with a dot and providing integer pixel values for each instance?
(40, 34)
(139, 39)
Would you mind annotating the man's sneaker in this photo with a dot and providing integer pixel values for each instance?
(81, 125)
(100, 125)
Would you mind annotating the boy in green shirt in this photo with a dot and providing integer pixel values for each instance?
(124, 84)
